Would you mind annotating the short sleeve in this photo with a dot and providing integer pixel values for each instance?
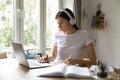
(88, 39)
(55, 40)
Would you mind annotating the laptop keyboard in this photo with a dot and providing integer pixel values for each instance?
(34, 63)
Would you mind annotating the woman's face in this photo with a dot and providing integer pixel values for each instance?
(63, 24)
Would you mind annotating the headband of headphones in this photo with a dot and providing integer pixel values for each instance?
(72, 21)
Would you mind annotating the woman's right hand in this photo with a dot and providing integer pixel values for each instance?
(43, 59)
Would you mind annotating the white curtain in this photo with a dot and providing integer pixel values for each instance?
(77, 12)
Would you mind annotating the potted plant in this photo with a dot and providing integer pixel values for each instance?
(102, 73)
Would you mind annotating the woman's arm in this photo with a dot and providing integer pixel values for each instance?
(54, 53)
(85, 61)
(91, 54)
(47, 58)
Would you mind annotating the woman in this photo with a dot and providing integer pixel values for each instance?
(70, 42)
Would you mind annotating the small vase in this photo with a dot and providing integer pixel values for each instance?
(102, 74)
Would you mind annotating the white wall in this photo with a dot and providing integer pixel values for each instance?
(66, 4)
(107, 40)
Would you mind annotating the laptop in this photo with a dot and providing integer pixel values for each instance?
(30, 63)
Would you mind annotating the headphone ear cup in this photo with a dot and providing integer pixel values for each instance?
(72, 21)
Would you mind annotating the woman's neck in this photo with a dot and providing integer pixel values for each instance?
(70, 31)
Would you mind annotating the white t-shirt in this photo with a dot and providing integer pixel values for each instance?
(71, 45)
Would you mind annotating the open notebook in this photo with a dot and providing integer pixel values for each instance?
(30, 63)
(62, 70)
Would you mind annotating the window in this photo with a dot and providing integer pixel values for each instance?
(33, 23)
(6, 24)
(51, 26)
(33, 26)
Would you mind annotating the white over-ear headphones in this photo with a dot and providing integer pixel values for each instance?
(72, 21)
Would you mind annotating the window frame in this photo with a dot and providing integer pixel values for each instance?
(19, 24)
(18, 21)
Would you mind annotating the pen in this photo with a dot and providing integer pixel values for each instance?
(69, 57)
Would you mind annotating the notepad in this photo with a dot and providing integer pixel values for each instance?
(65, 71)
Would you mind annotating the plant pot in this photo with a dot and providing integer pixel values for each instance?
(102, 74)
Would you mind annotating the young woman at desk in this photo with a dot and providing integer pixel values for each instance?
(70, 42)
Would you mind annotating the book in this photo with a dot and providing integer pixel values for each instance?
(62, 70)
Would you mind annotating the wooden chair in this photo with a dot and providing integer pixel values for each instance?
(3, 55)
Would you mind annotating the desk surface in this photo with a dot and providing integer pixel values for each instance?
(11, 70)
